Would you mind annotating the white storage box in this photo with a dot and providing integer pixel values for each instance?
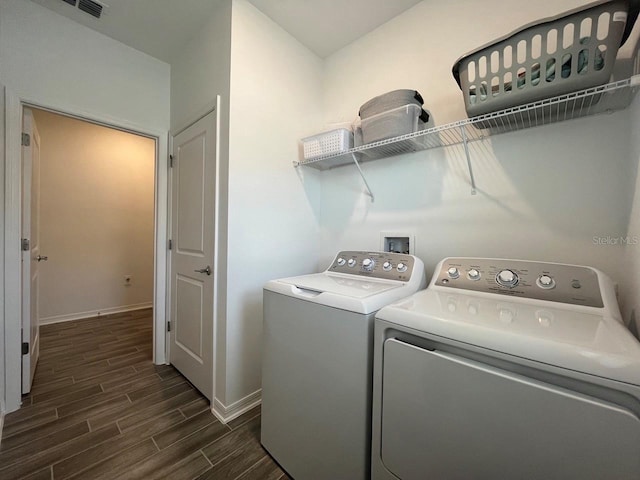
(393, 123)
(327, 143)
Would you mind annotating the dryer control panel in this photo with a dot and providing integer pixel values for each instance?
(553, 282)
(383, 265)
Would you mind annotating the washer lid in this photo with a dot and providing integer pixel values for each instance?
(584, 342)
(346, 292)
(350, 286)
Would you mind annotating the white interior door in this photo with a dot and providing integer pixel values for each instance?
(31, 248)
(192, 279)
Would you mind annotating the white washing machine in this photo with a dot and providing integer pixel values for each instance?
(317, 362)
(505, 369)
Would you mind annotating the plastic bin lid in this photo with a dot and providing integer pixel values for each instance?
(398, 93)
(632, 15)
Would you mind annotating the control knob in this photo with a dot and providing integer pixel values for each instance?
(546, 282)
(401, 267)
(341, 261)
(368, 264)
(453, 272)
(507, 278)
(386, 266)
(351, 262)
(473, 274)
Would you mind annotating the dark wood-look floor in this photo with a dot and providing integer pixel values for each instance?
(99, 409)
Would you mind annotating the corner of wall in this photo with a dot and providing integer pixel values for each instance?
(227, 413)
(275, 100)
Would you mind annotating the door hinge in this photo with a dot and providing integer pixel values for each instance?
(25, 245)
(26, 139)
(170, 244)
(25, 348)
(168, 326)
(170, 161)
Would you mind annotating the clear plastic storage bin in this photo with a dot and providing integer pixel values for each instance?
(327, 143)
(555, 56)
(393, 123)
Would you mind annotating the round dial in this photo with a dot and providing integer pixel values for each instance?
(401, 267)
(507, 278)
(453, 272)
(386, 266)
(368, 264)
(341, 261)
(473, 274)
(352, 262)
(546, 281)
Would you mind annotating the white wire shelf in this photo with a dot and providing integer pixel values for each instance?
(606, 98)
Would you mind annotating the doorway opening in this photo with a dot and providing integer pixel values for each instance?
(96, 218)
(94, 203)
(13, 229)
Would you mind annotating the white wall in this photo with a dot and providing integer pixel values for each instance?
(50, 58)
(96, 218)
(543, 193)
(273, 208)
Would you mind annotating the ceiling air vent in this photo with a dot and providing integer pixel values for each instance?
(93, 8)
(90, 7)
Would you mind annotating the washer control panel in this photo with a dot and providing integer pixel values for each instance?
(542, 281)
(384, 265)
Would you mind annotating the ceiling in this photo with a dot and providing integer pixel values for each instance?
(326, 26)
(161, 28)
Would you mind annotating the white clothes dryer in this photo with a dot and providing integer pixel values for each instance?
(317, 362)
(505, 369)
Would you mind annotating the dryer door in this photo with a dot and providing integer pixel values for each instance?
(450, 418)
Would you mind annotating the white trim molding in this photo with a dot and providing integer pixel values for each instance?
(226, 414)
(94, 313)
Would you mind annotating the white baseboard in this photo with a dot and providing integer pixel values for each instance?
(227, 413)
(95, 313)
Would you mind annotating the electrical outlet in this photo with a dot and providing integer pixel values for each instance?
(127, 280)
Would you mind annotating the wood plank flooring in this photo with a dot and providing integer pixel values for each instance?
(99, 409)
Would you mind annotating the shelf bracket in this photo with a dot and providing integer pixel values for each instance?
(465, 141)
(366, 184)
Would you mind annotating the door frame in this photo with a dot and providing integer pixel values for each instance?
(12, 293)
(30, 265)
